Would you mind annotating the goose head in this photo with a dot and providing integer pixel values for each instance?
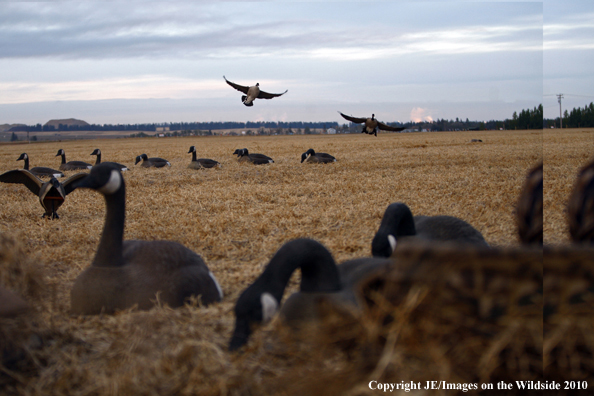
(305, 155)
(96, 152)
(60, 152)
(23, 156)
(397, 222)
(140, 158)
(105, 178)
(193, 149)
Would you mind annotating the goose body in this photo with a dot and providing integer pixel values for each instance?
(321, 280)
(529, 213)
(154, 162)
(252, 93)
(311, 156)
(398, 222)
(201, 163)
(72, 165)
(51, 193)
(580, 207)
(371, 125)
(256, 159)
(128, 273)
(97, 152)
(39, 171)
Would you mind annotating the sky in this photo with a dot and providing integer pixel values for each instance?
(111, 62)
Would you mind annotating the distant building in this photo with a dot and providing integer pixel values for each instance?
(331, 131)
(162, 129)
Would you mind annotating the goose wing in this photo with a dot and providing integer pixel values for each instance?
(356, 120)
(241, 88)
(22, 176)
(385, 127)
(266, 95)
(68, 186)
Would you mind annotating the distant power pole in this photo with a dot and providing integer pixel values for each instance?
(559, 97)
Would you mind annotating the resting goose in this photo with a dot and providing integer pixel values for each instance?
(97, 152)
(72, 165)
(256, 159)
(133, 272)
(371, 124)
(39, 171)
(154, 162)
(321, 280)
(398, 222)
(311, 156)
(529, 214)
(252, 93)
(201, 163)
(51, 193)
(580, 208)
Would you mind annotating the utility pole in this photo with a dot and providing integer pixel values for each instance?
(559, 97)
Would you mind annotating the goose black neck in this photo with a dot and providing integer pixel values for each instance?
(398, 221)
(63, 158)
(98, 160)
(109, 251)
(26, 163)
(193, 156)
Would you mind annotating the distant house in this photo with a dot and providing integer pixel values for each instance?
(331, 131)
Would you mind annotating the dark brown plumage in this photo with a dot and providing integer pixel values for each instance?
(252, 92)
(371, 124)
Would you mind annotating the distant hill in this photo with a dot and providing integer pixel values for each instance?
(7, 127)
(67, 122)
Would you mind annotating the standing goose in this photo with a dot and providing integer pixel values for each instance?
(399, 222)
(97, 152)
(128, 273)
(371, 124)
(39, 171)
(580, 208)
(72, 165)
(321, 280)
(529, 214)
(316, 158)
(51, 193)
(154, 162)
(256, 159)
(201, 163)
(252, 93)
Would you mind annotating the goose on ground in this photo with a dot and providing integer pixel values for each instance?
(72, 165)
(371, 124)
(321, 280)
(97, 152)
(311, 156)
(39, 171)
(256, 159)
(398, 222)
(201, 163)
(529, 214)
(252, 93)
(128, 273)
(154, 162)
(51, 193)
(580, 207)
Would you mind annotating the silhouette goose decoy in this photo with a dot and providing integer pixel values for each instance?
(252, 93)
(256, 159)
(134, 272)
(398, 222)
(529, 210)
(51, 193)
(317, 158)
(154, 162)
(371, 124)
(580, 207)
(97, 152)
(321, 280)
(200, 163)
(72, 165)
(39, 171)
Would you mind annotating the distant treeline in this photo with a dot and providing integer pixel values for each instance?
(576, 118)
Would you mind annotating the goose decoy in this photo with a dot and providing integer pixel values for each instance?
(580, 207)
(97, 152)
(154, 162)
(321, 280)
(51, 193)
(317, 158)
(252, 93)
(201, 163)
(256, 159)
(39, 171)
(398, 222)
(529, 213)
(371, 124)
(133, 272)
(72, 165)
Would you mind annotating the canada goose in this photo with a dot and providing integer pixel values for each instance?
(529, 214)
(256, 159)
(155, 162)
(11, 304)
(51, 193)
(317, 158)
(39, 171)
(371, 124)
(399, 222)
(128, 273)
(321, 279)
(476, 141)
(97, 152)
(72, 165)
(201, 162)
(580, 208)
(252, 93)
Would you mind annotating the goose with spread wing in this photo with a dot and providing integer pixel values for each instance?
(252, 93)
(371, 125)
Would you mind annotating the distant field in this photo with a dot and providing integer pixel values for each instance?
(238, 216)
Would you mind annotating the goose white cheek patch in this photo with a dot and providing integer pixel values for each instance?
(269, 306)
(392, 241)
(113, 184)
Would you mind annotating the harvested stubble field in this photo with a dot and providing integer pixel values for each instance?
(236, 218)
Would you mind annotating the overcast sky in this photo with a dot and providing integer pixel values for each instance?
(137, 62)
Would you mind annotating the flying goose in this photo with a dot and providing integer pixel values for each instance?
(318, 158)
(97, 152)
(51, 193)
(133, 272)
(39, 171)
(529, 214)
(321, 280)
(580, 208)
(252, 93)
(371, 124)
(201, 163)
(72, 165)
(155, 162)
(256, 159)
(398, 222)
